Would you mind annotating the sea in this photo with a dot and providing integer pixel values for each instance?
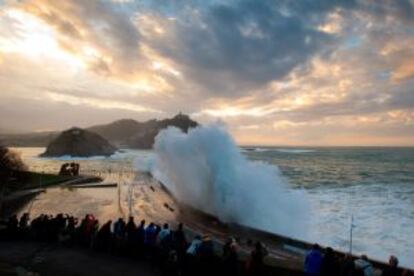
(364, 190)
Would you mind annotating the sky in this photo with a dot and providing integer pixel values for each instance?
(287, 72)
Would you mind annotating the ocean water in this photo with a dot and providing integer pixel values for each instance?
(374, 185)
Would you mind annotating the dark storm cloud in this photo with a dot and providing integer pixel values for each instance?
(106, 20)
(224, 48)
(231, 48)
(401, 9)
(403, 98)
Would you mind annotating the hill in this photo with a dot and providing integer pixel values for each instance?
(125, 133)
(132, 134)
(78, 142)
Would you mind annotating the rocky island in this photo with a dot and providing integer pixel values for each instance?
(78, 142)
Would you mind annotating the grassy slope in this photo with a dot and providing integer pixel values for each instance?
(32, 180)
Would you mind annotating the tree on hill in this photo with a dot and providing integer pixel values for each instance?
(10, 161)
(10, 166)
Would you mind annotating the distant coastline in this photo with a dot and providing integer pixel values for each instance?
(125, 133)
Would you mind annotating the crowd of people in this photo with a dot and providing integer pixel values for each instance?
(327, 263)
(71, 169)
(171, 252)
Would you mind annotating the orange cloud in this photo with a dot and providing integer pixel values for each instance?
(106, 41)
(405, 70)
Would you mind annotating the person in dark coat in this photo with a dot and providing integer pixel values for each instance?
(179, 242)
(255, 263)
(24, 221)
(12, 227)
(171, 266)
(119, 235)
(76, 169)
(313, 261)
(104, 236)
(150, 235)
(205, 253)
(392, 269)
(140, 238)
(130, 235)
(64, 169)
(150, 240)
(347, 266)
(329, 263)
(230, 258)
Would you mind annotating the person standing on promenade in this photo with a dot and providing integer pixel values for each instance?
(347, 266)
(313, 261)
(164, 233)
(392, 269)
(230, 258)
(364, 265)
(329, 264)
(180, 241)
(140, 238)
(255, 266)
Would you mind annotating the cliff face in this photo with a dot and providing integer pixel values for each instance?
(118, 130)
(78, 142)
(125, 133)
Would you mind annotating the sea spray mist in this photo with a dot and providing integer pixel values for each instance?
(204, 168)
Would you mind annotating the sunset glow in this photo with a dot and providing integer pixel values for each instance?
(341, 73)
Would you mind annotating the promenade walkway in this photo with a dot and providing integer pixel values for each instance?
(21, 257)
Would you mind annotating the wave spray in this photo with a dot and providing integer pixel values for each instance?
(205, 169)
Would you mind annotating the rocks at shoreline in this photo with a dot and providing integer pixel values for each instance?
(80, 143)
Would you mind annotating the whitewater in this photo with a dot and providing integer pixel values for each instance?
(205, 169)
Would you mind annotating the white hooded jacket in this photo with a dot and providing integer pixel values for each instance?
(365, 266)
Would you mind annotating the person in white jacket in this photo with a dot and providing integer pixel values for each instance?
(363, 264)
(192, 249)
(164, 233)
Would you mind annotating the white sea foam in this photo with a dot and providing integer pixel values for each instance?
(283, 150)
(205, 169)
(119, 154)
(295, 150)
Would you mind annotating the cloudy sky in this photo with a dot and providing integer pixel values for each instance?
(288, 72)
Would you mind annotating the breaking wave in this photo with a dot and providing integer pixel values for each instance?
(204, 168)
